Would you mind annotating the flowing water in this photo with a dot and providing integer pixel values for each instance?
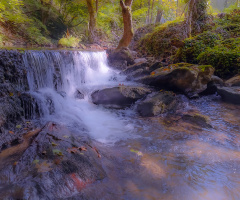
(144, 158)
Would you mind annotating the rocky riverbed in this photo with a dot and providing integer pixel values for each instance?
(155, 131)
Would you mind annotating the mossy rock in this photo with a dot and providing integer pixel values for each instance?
(186, 78)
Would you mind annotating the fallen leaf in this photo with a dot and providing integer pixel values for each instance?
(36, 161)
(54, 144)
(72, 150)
(66, 136)
(57, 152)
(15, 163)
(57, 161)
(19, 126)
(82, 148)
(139, 153)
(10, 94)
(44, 167)
(153, 73)
(11, 132)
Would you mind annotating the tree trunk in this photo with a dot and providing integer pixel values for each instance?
(196, 16)
(92, 21)
(148, 13)
(152, 11)
(127, 22)
(159, 16)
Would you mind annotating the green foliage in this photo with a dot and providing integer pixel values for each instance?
(219, 47)
(69, 41)
(194, 46)
(225, 58)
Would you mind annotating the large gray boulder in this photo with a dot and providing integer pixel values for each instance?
(119, 97)
(157, 104)
(230, 94)
(182, 77)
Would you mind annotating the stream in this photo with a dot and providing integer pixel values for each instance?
(144, 158)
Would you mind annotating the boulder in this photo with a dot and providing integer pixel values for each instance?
(138, 73)
(212, 86)
(234, 81)
(121, 58)
(157, 104)
(186, 78)
(132, 68)
(197, 119)
(119, 97)
(138, 60)
(155, 66)
(230, 94)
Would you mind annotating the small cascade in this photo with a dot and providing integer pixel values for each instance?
(61, 83)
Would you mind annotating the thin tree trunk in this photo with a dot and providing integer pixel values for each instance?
(196, 16)
(148, 13)
(159, 16)
(127, 22)
(97, 7)
(92, 21)
(152, 11)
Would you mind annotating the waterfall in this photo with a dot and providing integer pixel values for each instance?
(61, 83)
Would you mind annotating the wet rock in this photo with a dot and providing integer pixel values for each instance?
(138, 73)
(155, 66)
(119, 97)
(55, 174)
(212, 86)
(230, 94)
(121, 58)
(182, 77)
(78, 95)
(234, 81)
(217, 81)
(157, 104)
(197, 119)
(63, 94)
(132, 68)
(138, 60)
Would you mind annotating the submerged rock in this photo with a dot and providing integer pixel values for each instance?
(157, 104)
(119, 97)
(78, 95)
(182, 77)
(230, 94)
(197, 119)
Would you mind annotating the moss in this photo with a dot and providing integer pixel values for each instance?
(204, 67)
(160, 41)
(225, 61)
(194, 46)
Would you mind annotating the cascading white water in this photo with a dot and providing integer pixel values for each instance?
(56, 77)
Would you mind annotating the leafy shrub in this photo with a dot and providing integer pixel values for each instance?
(226, 61)
(196, 45)
(69, 41)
